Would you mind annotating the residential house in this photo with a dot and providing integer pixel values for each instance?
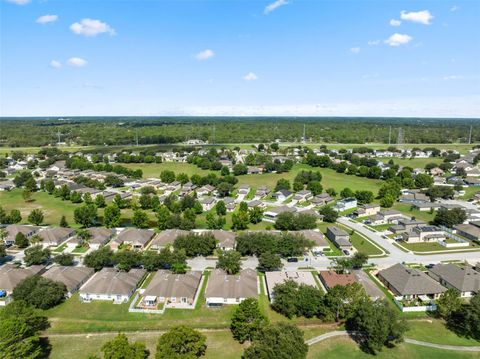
(413, 196)
(135, 237)
(11, 275)
(166, 238)
(317, 237)
(224, 289)
(331, 279)
(173, 186)
(244, 189)
(406, 225)
(303, 195)
(206, 190)
(281, 195)
(261, 192)
(367, 210)
(426, 206)
(321, 199)
(13, 229)
(98, 237)
(466, 280)
(208, 203)
(112, 285)
(385, 217)
(229, 203)
(255, 203)
(273, 279)
(272, 213)
(53, 237)
(6, 185)
(225, 239)
(339, 237)
(424, 234)
(345, 204)
(410, 283)
(72, 277)
(470, 231)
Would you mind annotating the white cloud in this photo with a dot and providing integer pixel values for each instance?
(355, 50)
(250, 77)
(454, 8)
(54, 64)
(45, 19)
(373, 42)
(421, 17)
(76, 61)
(274, 5)
(205, 55)
(398, 39)
(91, 27)
(452, 77)
(19, 2)
(395, 22)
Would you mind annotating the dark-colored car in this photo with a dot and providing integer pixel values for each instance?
(292, 260)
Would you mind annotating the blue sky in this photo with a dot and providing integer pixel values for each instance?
(239, 57)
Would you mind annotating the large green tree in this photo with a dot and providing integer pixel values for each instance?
(121, 348)
(230, 261)
(41, 292)
(247, 320)
(181, 342)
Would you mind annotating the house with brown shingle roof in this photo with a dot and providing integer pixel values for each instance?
(53, 237)
(135, 237)
(464, 279)
(72, 277)
(166, 238)
(11, 275)
(331, 279)
(13, 229)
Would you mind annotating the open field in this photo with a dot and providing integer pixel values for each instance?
(414, 162)
(427, 247)
(406, 208)
(340, 348)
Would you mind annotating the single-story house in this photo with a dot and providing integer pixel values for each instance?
(469, 231)
(208, 203)
(388, 216)
(225, 239)
(464, 279)
(281, 195)
(331, 279)
(345, 204)
(13, 229)
(367, 210)
(410, 283)
(53, 237)
(166, 238)
(206, 190)
(321, 199)
(135, 237)
(11, 275)
(244, 189)
(275, 211)
(426, 206)
(278, 277)
(256, 203)
(223, 288)
(229, 203)
(406, 225)
(174, 290)
(111, 284)
(316, 236)
(72, 277)
(303, 195)
(261, 191)
(6, 185)
(339, 237)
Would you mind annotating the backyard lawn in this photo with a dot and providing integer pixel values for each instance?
(427, 247)
(406, 208)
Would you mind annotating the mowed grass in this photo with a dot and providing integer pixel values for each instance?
(406, 208)
(53, 208)
(435, 331)
(428, 247)
(412, 162)
(343, 347)
(220, 345)
(331, 179)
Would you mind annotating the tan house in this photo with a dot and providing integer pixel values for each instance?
(72, 277)
(224, 289)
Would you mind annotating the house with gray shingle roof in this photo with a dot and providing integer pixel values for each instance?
(112, 285)
(223, 288)
(135, 237)
(72, 277)
(409, 283)
(464, 279)
(11, 275)
(55, 236)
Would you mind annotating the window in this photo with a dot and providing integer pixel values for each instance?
(184, 300)
(225, 300)
(173, 299)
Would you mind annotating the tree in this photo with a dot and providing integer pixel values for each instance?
(196, 245)
(282, 184)
(269, 261)
(63, 222)
(423, 180)
(379, 324)
(247, 320)
(214, 222)
(364, 197)
(285, 299)
(40, 292)
(36, 255)
(347, 193)
(450, 218)
(85, 215)
(279, 340)
(3, 252)
(181, 342)
(140, 219)
(230, 261)
(14, 216)
(167, 176)
(127, 260)
(329, 214)
(20, 326)
(27, 195)
(220, 208)
(21, 241)
(75, 197)
(315, 187)
(240, 220)
(64, 259)
(387, 201)
(163, 216)
(448, 303)
(100, 201)
(36, 216)
(120, 348)
(100, 258)
(256, 215)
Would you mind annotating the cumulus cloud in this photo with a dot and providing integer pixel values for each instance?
(19, 2)
(91, 27)
(395, 22)
(355, 50)
(205, 55)
(398, 39)
(45, 19)
(373, 42)
(250, 77)
(54, 64)
(76, 62)
(274, 6)
(421, 17)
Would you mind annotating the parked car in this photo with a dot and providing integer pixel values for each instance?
(292, 260)
(346, 252)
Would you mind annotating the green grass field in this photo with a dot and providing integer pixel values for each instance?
(412, 162)
(427, 247)
(406, 208)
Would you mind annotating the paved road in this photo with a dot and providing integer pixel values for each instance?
(339, 333)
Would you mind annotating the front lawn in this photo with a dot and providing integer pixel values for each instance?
(434, 246)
